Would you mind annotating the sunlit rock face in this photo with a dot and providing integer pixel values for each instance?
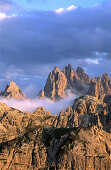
(76, 80)
(55, 85)
(78, 138)
(70, 73)
(59, 81)
(13, 91)
(100, 87)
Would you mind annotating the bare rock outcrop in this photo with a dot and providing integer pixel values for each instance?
(100, 87)
(55, 85)
(77, 138)
(83, 76)
(41, 94)
(86, 111)
(59, 82)
(70, 73)
(13, 91)
(52, 148)
(77, 80)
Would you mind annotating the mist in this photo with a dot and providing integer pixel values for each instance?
(31, 105)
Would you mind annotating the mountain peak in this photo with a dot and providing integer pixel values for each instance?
(55, 84)
(13, 91)
(12, 82)
(56, 69)
(79, 69)
(82, 75)
(69, 66)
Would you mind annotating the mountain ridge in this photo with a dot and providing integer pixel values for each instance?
(60, 81)
(77, 81)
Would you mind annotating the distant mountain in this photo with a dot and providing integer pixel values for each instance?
(59, 81)
(13, 91)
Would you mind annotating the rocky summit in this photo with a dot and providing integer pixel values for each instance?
(78, 138)
(78, 82)
(13, 91)
(55, 85)
(59, 81)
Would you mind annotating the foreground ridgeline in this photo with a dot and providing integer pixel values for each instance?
(79, 138)
(60, 81)
(13, 91)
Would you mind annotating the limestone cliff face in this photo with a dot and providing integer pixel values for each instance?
(87, 111)
(70, 73)
(100, 87)
(59, 82)
(55, 85)
(79, 138)
(78, 81)
(13, 91)
(83, 76)
(50, 148)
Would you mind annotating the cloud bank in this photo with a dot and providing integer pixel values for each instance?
(31, 105)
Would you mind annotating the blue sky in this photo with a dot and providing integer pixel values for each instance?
(54, 4)
(18, 6)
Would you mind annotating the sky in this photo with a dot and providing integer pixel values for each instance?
(37, 35)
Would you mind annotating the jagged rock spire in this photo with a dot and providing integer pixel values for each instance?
(13, 91)
(59, 81)
(55, 85)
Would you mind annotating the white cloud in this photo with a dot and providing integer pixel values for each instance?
(32, 104)
(2, 15)
(92, 61)
(61, 10)
(72, 7)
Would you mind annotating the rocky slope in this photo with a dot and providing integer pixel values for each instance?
(79, 138)
(13, 91)
(59, 81)
(50, 148)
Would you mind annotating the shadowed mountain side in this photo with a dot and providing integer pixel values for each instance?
(13, 91)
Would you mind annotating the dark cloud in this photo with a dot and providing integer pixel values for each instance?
(46, 38)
